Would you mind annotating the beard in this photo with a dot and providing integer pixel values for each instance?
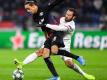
(68, 20)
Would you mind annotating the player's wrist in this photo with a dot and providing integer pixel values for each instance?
(47, 25)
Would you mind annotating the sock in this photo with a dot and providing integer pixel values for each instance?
(68, 54)
(50, 66)
(78, 69)
(30, 58)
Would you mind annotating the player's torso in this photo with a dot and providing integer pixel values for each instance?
(42, 18)
(67, 34)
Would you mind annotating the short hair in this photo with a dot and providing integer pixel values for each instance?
(30, 2)
(73, 10)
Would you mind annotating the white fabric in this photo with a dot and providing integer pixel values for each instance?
(42, 46)
(30, 58)
(78, 69)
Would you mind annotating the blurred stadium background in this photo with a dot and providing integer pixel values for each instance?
(17, 30)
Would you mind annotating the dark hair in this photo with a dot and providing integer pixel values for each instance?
(30, 2)
(73, 10)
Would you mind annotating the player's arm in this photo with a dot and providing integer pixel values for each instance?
(67, 27)
(53, 4)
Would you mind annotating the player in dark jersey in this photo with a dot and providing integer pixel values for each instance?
(41, 16)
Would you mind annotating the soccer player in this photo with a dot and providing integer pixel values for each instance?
(67, 25)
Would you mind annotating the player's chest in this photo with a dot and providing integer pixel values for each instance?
(39, 17)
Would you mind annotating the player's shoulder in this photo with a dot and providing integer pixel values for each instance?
(62, 18)
(72, 22)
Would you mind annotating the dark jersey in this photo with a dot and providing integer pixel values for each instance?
(41, 17)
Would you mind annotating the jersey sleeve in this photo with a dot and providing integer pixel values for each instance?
(61, 20)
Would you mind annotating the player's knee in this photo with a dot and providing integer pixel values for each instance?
(45, 53)
(69, 63)
(54, 49)
(39, 52)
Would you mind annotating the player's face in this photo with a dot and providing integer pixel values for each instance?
(31, 8)
(69, 15)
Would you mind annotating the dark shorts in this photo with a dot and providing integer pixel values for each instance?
(56, 39)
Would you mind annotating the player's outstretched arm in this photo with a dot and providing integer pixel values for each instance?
(60, 27)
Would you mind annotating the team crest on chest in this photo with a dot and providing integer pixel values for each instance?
(41, 13)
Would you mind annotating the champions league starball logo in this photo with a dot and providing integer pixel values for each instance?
(18, 40)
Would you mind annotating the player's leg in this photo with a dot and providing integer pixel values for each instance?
(47, 59)
(70, 64)
(30, 58)
(57, 43)
(71, 55)
(68, 61)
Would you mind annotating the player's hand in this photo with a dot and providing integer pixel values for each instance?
(40, 25)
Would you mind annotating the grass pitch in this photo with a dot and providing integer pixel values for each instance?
(96, 64)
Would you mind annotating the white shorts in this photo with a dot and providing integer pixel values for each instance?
(67, 43)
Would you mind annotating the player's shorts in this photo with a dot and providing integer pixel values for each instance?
(67, 48)
(48, 42)
(56, 39)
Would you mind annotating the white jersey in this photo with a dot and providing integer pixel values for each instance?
(68, 28)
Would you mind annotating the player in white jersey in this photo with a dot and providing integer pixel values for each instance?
(68, 26)
(67, 37)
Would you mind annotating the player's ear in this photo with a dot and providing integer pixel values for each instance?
(74, 17)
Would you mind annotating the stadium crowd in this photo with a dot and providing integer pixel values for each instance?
(92, 13)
